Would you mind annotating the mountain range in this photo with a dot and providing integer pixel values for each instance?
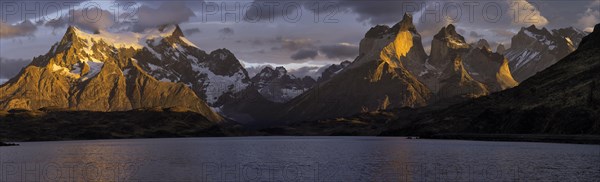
(161, 69)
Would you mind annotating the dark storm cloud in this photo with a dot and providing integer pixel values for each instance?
(379, 12)
(339, 51)
(305, 54)
(296, 44)
(23, 29)
(56, 23)
(167, 13)
(373, 12)
(11, 67)
(503, 32)
(92, 19)
(191, 31)
(475, 34)
(226, 32)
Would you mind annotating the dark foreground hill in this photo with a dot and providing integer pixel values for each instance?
(85, 125)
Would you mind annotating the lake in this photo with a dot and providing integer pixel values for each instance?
(298, 159)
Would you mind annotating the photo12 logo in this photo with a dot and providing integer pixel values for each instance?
(71, 11)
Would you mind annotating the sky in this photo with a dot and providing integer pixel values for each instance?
(301, 35)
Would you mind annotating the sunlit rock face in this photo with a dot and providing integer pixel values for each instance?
(445, 45)
(104, 72)
(456, 81)
(479, 63)
(500, 49)
(378, 78)
(486, 67)
(533, 50)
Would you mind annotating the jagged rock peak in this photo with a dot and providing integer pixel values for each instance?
(223, 53)
(379, 30)
(281, 70)
(407, 21)
(482, 43)
(176, 30)
(447, 32)
(533, 29)
(70, 33)
(500, 49)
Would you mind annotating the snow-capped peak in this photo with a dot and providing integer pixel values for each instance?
(281, 70)
(130, 39)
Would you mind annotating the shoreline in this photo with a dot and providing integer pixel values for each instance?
(545, 138)
(3, 144)
(541, 138)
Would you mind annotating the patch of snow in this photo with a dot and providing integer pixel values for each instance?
(154, 67)
(95, 68)
(217, 85)
(77, 69)
(126, 71)
(64, 71)
(525, 57)
(156, 41)
(156, 54)
(190, 57)
(423, 72)
(291, 93)
(528, 33)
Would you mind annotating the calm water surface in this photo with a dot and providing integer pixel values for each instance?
(298, 159)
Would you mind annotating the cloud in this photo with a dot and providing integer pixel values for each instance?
(23, 29)
(590, 18)
(301, 72)
(92, 19)
(191, 31)
(293, 44)
(528, 13)
(253, 70)
(379, 12)
(475, 34)
(11, 67)
(305, 54)
(167, 13)
(339, 51)
(503, 32)
(56, 23)
(226, 32)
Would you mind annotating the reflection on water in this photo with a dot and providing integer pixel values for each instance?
(298, 159)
